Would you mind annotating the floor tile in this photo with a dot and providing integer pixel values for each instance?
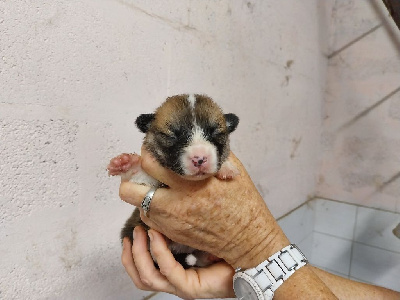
(374, 227)
(298, 224)
(164, 296)
(306, 245)
(332, 253)
(335, 218)
(376, 265)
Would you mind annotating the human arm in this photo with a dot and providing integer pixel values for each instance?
(345, 288)
(199, 283)
(228, 219)
(217, 281)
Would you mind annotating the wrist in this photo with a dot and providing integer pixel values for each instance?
(255, 243)
(262, 281)
(269, 245)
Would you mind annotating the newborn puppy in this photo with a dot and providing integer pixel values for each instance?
(188, 134)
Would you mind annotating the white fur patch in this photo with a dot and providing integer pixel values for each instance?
(198, 134)
(192, 100)
(142, 177)
(191, 260)
(199, 147)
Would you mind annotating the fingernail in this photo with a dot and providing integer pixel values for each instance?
(133, 233)
(150, 234)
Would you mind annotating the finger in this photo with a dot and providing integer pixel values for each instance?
(151, 278)
(151, 166)
(134, 194)
(169, 267)
(148, 221)
(129, 265)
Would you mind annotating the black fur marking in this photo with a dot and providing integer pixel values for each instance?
(167, 138)
(232, 122)
(143, 122)
(217, 137)
(171, 147)
(127, 231)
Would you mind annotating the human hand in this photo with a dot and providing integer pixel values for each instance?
(226, 218)
(214, 281)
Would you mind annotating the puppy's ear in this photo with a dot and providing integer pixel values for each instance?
(232, 122)
(143, 122)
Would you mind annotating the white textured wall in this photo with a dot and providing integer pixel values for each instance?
(75, 74)
(360, 161)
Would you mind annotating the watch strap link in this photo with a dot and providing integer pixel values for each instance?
(270, 274)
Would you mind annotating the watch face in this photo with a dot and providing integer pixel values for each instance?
(244, 290)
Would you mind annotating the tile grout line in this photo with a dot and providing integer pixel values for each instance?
(296, 208)
(306, 237)
(314, 214)
(353, 240)
(378, 248)
(357, 205)
(332, 235)
(361, 280)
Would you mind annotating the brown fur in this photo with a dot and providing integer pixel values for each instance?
(168, 132)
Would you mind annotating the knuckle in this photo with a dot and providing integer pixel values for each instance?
(146, 282)
(168, 270)
(140, 285)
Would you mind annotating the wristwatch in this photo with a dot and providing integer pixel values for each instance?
(260, 283)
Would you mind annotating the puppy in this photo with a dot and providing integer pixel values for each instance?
(188, 134)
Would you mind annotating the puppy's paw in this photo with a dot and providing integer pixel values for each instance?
(228, 171)
(124, 163)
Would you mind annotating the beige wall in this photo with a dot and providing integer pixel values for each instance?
(75, 74)
(360, 160)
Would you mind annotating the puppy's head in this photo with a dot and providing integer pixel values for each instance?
(189, 135)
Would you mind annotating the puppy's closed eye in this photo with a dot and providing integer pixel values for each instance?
(188, 134)
(166, 139)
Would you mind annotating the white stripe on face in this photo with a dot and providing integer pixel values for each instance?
(198, 135)
(192, 100)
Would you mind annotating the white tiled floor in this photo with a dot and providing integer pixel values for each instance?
(331, 253)
(298, 226)
(164, 296)
(348, 240)
(334, 218)
(374, 228)
(357, 242)
(374, 265)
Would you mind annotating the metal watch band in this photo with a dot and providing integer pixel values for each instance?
(270, 274)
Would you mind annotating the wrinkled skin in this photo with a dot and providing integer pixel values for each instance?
(226, 218)
(214, 281)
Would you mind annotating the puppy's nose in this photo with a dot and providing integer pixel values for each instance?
(199, 161)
